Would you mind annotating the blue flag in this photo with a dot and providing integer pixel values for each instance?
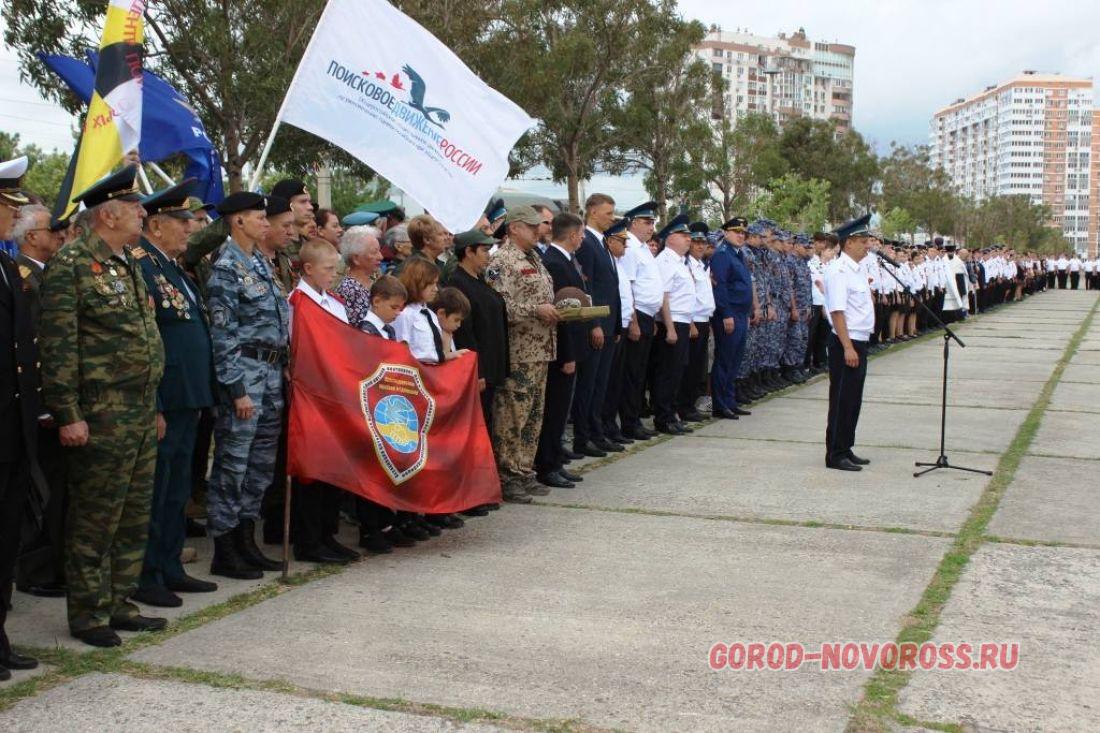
(169, 124)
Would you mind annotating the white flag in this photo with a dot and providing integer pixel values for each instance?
(377, 84)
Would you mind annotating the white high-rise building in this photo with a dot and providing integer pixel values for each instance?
(785, 77)
(1032, 136)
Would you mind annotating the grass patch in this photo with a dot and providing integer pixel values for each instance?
(879, 706)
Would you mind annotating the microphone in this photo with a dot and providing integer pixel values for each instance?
(887, 258)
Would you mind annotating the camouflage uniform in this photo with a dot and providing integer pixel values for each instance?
(798, 334)
(249, 326)
(780, 292)
(525, 284)
(102, 360)
(752, 261)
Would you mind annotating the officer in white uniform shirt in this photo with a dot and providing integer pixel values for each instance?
(1074, 272)
(692, 385)
(849, 303)
(1062, 265)
(671, 343)
(638, 267)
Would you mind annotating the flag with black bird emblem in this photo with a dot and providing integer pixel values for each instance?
(112, 127)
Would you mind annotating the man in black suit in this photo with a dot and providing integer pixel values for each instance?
(41, 567)
(567, 231)
(20, 407)
(602, 281)
(185, 390)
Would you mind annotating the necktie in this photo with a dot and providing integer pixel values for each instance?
(390, 333)
(576, 265)
(436, 336)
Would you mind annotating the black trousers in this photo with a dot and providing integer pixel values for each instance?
(693, 385)
(845, 398)
(15, 483)
(592, 376)
(559, 395)
(636, 356)
(316, 509)
(670, 362)
(42, 562)
(1074, 280)
(272, 506)
(1062, 275)
(819, 338)
(614, 393)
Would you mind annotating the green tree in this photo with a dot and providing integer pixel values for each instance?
(812, 149)
(45, 171)
(660, 122)
(909, 182)
(898, 222)
(795, 203)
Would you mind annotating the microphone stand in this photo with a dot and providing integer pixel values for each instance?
(948, 337)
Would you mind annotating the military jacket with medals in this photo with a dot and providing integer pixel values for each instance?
(101, 350)
(188, 382)
(248, 309)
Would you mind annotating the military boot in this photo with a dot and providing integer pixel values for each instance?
(228, 562)
(247, 549)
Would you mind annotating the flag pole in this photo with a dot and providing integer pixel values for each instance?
(144, 179)
(279, 116)
(286, 531)
(160, 172)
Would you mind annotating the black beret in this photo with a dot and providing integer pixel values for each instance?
(288, 188)
(277, 205)
(235, 203)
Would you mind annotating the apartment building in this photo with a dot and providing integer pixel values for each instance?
(785, 77)
(1032, 136)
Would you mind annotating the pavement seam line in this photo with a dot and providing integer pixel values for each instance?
(879, 704)
(1025, 542)
(735, 519)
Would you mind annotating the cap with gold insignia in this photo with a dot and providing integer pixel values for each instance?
(699, 230)
(524, 214)
(679, 224)
(618, 229)
(11, 178)
(737, 224)
(648, 210)
(235, 203)
(119, 186)
(172, 201)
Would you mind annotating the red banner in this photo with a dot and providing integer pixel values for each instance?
(367, 417)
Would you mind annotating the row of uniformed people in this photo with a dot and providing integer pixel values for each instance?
(1071, 270)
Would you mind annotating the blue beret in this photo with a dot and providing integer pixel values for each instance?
(359, 218)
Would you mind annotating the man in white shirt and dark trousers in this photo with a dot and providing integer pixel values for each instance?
(851, 311)
(670, 347)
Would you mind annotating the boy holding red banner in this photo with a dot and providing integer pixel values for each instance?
(318, 504)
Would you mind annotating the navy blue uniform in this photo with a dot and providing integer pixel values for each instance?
(732, 299)
(602, 280)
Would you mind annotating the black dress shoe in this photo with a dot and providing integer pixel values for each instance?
(570, 476)
(741, 412)
(158, 596)
(101, 636)
(843, 465)
(477, 511)
(670, 429)
(588, 449)
(693, 416)
(492, 507)
(608, 445)
(398, 538)
(139, 623)
(857, 460)
(320, 554)
(684, 427)
(333, 546)
(416, 532)
(446, 521)
(195, 529)
(187, 584)
(570, 455)
(44, 590)
(5, 675)
(638, 433)
(619, 438)
(11, 660)
(431, 529)
(555, 481)
(725, 414)
(376, 544)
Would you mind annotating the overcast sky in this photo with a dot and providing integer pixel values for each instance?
(915, 56)
(912, 56)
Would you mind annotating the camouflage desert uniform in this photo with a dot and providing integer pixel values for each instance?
(249, 327)
(102, 359)
(525, 284)
(794, 352)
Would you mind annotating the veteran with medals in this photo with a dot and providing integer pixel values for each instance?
(185, 390)
(102, 359)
